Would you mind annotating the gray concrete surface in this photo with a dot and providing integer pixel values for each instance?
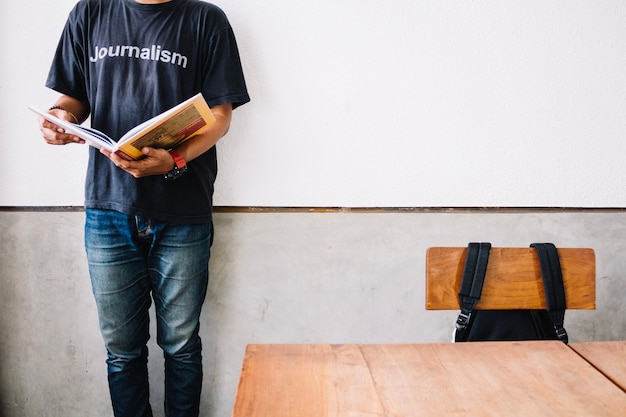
(342, 277)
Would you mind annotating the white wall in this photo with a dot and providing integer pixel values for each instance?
(369, 103)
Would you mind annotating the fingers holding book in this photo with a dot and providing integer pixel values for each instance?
(155, 162)
(55, 135)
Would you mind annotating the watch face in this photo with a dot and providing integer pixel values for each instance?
(176, 172)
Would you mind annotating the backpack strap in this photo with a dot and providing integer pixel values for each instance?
(553, 286)
(471, 285)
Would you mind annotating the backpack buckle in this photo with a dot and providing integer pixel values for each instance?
(561, 333)
(463, 320)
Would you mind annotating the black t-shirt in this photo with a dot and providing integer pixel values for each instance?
(132, 61)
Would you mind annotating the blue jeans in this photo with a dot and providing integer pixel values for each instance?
(133, 260)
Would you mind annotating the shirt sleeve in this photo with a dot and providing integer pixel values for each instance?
(224, 81)
(67, 73)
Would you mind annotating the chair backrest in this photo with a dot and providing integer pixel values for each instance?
(513, 279)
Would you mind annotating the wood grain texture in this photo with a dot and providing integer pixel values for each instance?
(305, 381)
(544, 378)
(513, 278)
(608, 357)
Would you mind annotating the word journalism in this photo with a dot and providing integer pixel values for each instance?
(152, 53)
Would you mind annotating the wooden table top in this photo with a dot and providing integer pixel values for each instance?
(608, 357)
(475, 379)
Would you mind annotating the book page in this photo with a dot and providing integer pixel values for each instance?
(168, 135)
(170, 128)
(92, 137)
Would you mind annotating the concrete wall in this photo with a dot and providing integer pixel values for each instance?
(340, 277)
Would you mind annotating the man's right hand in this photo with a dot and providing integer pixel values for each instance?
(53, 134)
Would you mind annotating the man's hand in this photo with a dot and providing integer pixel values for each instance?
(156, 162)
(53, 134)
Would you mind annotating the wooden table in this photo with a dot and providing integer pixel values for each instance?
(475, 379)
(608, 357)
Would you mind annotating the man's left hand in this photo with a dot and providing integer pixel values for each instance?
(155, 162)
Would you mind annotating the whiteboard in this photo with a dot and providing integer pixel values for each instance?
(357, 103)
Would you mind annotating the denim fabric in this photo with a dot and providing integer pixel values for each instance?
(132, 261)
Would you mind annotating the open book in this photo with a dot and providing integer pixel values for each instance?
(166, 130)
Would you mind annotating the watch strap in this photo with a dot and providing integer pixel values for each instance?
(179, 161)
(180, 166)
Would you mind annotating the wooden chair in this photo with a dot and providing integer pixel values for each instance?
(512, 281)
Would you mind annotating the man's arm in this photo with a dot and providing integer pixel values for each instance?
(65, 108)
(159, 161)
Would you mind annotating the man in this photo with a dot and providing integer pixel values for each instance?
(148, 226)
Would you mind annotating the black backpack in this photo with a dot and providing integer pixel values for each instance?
(501, 325)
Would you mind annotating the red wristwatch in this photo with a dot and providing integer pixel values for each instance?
(180, 166)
